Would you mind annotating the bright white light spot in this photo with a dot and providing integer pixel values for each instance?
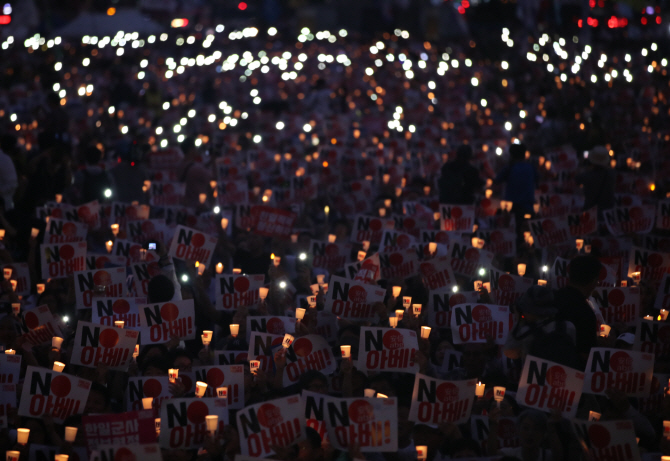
(499, 151)
(108, 193)
(455, 289)
(282, 284)
(166, 105)
(474, 81)
(257, 138)
(272, 31)
(508, 126)
(280, 125)
(307, 127)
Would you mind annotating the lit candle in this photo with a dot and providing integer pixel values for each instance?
(369, 393)
(396, 291)
(648, 317)
(212, 421)
(393, 321)
(311, 300)
(361, 255)
(288, 340)
(479, 389)
(173, 374)
(12, 455)
(16, 308)
(664, 314)
(212, 184)
(200, 389)
(58, 366)
(366, 245)
(399, 313)
(421, 452)
(224, 224)
(219, 268)
(119, 323)
(326, 211)
(61, 457)
(346, 351)
(254, 365)
(147, 403)
(22, 435)
(13, 283)
(205, 340)
(263, 292)
(595, 416)
(208, 334)
(382, 396)
(222, 392)
(579, 243)
(432, 247)
(541, 282)
(115, 229)
(136, 352)
(605, 330)
(299, 313)
(7, 273)
(498, 394)
(10, 352)
(387, 203)
(406, 302)
(234, 330)
(425, 332)
(332, 238)
(202, 198)
(34, 232)
(478, 285)
(624, 283)
(277, 261)
(59, 198)
(70, 434)
(416, 309)
(236, 271)
(587, 249)
(487, 286)
(40, 288)
(382, 212)
(157, 425)
(109, 245)
(521, 269)
(56, 342)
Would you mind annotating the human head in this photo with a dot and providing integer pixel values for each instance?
(160, 289)
(310, 447)
(92, 155)
(537, 302)
(517, 152)
(464, 448)
(98, 399)
(599, 156)
(314, 381)
(532, 427)
(464, 153)
(584, 271)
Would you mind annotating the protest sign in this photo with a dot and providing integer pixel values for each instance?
(7, 403)
(652, 265)
(144, 271)
(164, 193)
(192, 245)
(233, 291)
(508, 435)
(435, 401)
(393, 240)
(132, 251)
(106, 311)
(399, 264)
(467, 260)
(507, 288)
(272, 222)
(457, 217)
(20, 274)
(270, 324)
(630, 220)
(41, 325)
(101, 345)
(315, 411)
(352, 300)
(653, 337)
(583, 223)
(148, 230)
(370, 424)
(120, 213)
(548, 232)
(474, 323)
(310, 352)
(228, 357)
(262, 347)
(367, 271)
(558, 274)
(128, 452)
(39, 452)
(440, 303)
(608, 440)
(275, 423)
(140, 387)
(61, 231)
(553, 205)
(329, 256)
(104, 261)
(437, 273)
(229, 376)
(183, 423)
(160, 322)
(618, 305)
(663, 215)
(47, 392)
(452, 359)
(110, 283)
(499, 241)
(119, 429)
(370, 229)
(663, 294)
(62, 259)
(627, 371)
(10, 367)
(387, 349)
(546, 386)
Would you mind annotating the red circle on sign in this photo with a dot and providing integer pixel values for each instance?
(396, 259)
(427, 269)
(269, 415)
(102, 278)
(302, 347)
(456, 212)
(231, 187)
(131, 212)
(169, 312)
(191, 220)
(616, 297)
(187, 382)
(332, 250)
(506, 282)
(447, 392)
(109, 338)
(496, 237)
(375, 225)
(410, 223)
(548, 225)
(197, 411)
(83, 212)
(153, 268)
(275, 326)
(241, 284)
(599, 435)
(60, 386)
(69, 229)
(148, 226)
(555, 200)
(621, 362)
(458, 298)
(556, 376)
(215, 377)
(393, 339)
(124, 454)
(361, 412)
(357, 294)
(66, 252)
(121, 306)
(152, 388)
(442, 237)
(472, 255)
(31, 320)
(101, 262)
(481, 313)
(636, 213)
(655, 260)
(57, 213)
(403, 241)
(485, 203)
(198, 240)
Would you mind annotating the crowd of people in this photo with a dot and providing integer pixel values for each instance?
(319, 162)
